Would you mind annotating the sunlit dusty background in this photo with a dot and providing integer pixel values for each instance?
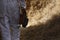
(44, 20)
(40, 11)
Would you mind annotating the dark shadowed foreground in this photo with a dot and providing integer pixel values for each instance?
(0, 35)
(48, 31)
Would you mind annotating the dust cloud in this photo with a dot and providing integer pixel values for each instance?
(39, 11)
(44, 20)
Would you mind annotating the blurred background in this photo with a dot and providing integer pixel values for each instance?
(44, 20)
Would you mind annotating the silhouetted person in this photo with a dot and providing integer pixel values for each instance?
(23, 18)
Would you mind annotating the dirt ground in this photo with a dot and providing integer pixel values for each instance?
(48, 31)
